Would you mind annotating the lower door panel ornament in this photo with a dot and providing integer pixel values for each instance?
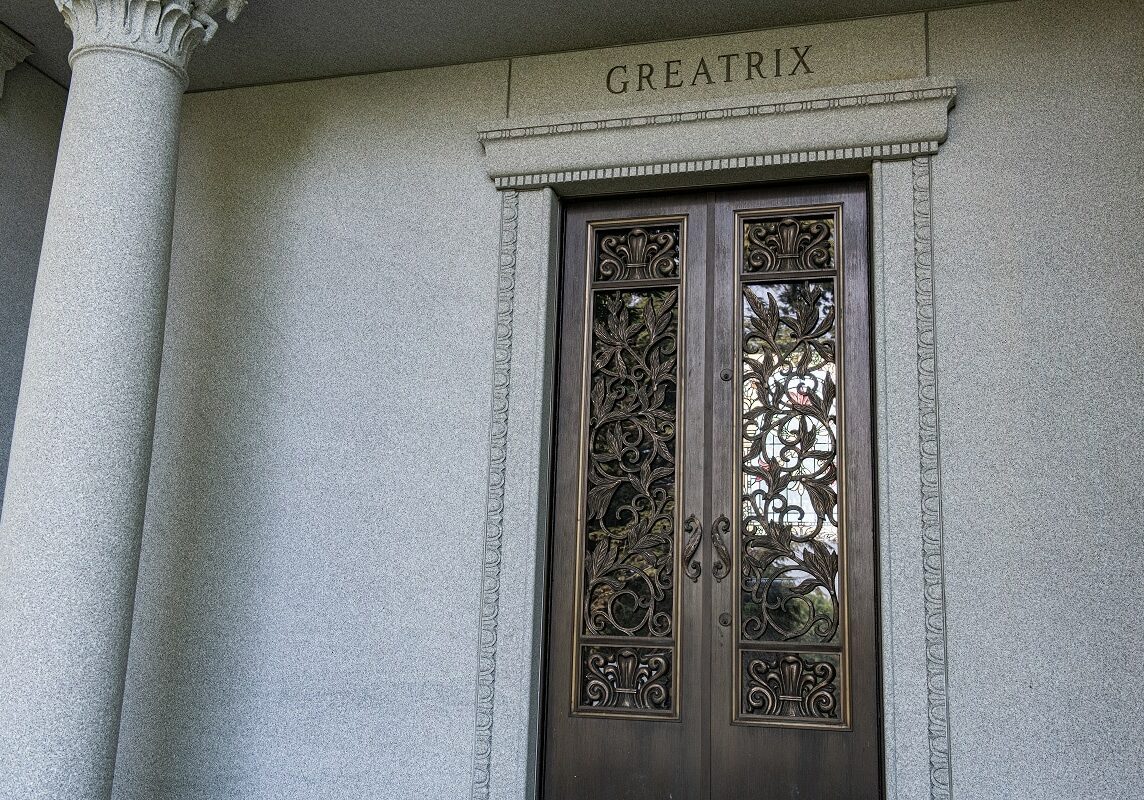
(637, 678)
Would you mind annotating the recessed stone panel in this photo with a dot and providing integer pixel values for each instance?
(757, 62)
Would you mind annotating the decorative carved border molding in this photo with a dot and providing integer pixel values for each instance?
(933, 559)
(714, 164)
(494, 506)
(750, 110)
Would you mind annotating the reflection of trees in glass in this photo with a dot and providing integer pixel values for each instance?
(631, 464)
(790, 495)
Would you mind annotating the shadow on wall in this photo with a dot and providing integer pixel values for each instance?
(196, 626)
(31, 116)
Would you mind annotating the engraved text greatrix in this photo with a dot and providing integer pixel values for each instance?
(782, 62)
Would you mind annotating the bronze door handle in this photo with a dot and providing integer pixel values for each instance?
(722, 566)
(694, 530)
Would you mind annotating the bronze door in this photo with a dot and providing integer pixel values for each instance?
(712, 618)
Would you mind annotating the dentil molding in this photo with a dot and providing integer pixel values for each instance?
(13, 50)
(166, 31)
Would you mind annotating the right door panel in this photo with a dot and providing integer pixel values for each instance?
(794, 658)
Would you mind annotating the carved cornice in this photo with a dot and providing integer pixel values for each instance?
(845, 100)
(13, 50)
(166, 31)
(898, 119)
(494, 505)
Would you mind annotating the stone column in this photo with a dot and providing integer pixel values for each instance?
(81, 448)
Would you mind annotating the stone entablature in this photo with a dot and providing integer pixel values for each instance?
(721, 68)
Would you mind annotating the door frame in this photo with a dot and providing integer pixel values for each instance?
(898, 144)
(706, 483)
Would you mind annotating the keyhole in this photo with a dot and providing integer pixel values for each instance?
(725, 374)
(725, 619)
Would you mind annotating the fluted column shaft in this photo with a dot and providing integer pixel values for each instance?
(81, 448)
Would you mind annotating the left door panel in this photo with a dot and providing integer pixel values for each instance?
(624, 688)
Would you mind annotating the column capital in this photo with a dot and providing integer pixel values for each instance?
(166, 31)
(13, 50)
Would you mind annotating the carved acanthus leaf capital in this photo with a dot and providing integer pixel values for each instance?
(165, 30)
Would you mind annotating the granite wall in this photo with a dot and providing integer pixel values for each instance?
(31, 115)
(1039, 289)
(306, 624)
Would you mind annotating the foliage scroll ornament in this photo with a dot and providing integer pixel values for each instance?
(166, 31)
(693, 529)
(631, 465)
(13, 50)
(790, 498)
(639, 253)
(719, 531)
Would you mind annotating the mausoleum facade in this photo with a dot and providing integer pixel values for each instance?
(595, 403)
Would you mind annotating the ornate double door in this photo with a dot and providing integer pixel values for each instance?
(712, 611)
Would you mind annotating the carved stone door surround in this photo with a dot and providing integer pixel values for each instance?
(889, 131)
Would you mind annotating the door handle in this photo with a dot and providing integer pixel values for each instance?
(722, 566)
(694, 530)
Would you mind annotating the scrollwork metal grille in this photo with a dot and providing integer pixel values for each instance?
(631, 465)
(790, 451)
(789, 244)
(637, 253)
(628, 548)
(789, 546)
(789, 686)
(635, 678)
